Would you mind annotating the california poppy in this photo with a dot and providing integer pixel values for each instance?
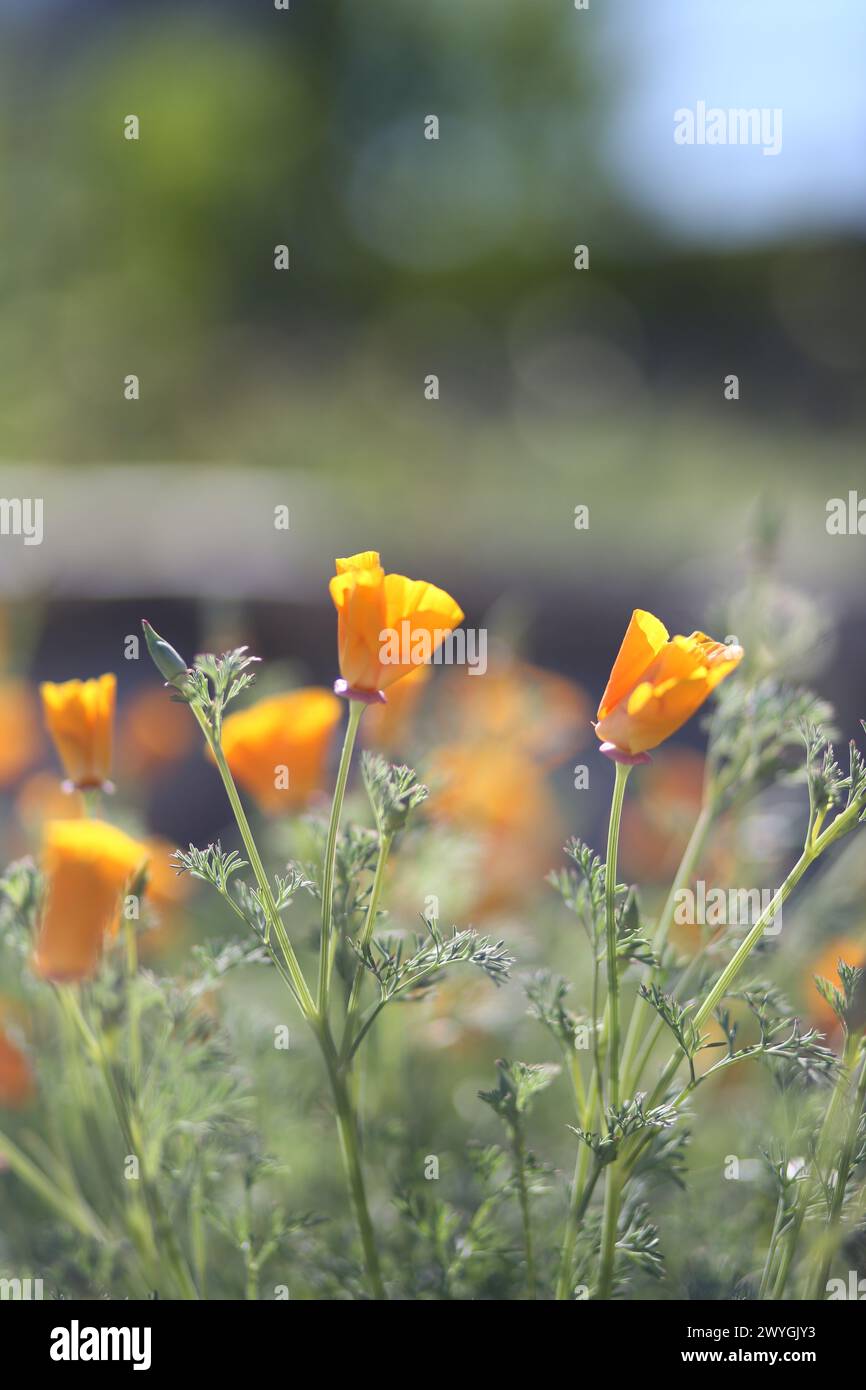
(80, 717)
(657, 683)
(387, 624)
(278, 748)
(86, 865)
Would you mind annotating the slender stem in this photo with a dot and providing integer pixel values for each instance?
(72, 1208)
(721, 988)
(356, 709)
(132, 1005)
(367, 930)
(582, 1188)
(519, 1149)
(771, 1249)
(683, 876)
(612, 1182)
(350, 1147)
(622, 772)
(807, 1186)
(346, 1123)
(830, 1236)
(299, 985)
(736, 963)
(161, 1232)
(609, 1229)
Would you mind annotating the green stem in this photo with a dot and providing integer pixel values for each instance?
(274, 922)
(132, 1005)
(609, 1229)
(622, 772)
(350, 1148)
(71, 1208)
(611, 1189)
(161, 1232)
(356, 709)
(582, 1189)
(367, 930)
(771, 1249)
(684, 874)
(523, 1197)
(830, 1236)
(735, 964)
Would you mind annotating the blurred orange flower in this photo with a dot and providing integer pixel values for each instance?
(43, 797)
(538, 712)
(657, 683)
(166, 889)
(154, 731)
(86, 864)
(826, 967)
(19, 721)
(387, 726)
(80, 717)
(17, 1085)
(386, 616)
(278, 748)
(501, 796)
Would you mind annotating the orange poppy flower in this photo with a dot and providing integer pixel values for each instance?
(79, 716)
(19, 720)
(86, 864)
(17, 1086)
(278, 748)
(387, 625)
(657, 683)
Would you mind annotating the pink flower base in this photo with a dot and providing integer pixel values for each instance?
(367, 697)
(616, 755)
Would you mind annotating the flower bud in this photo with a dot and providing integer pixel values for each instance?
(167, 661)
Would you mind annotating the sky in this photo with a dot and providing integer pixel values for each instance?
(807, 57)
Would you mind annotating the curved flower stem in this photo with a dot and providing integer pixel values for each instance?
(274, 922)
(326, 956)
(722, 987)
(683, 876)
(367, 930)
(294, 976)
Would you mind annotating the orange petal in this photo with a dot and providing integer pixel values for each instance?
(644, 639)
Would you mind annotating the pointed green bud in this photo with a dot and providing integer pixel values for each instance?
(167, 661)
